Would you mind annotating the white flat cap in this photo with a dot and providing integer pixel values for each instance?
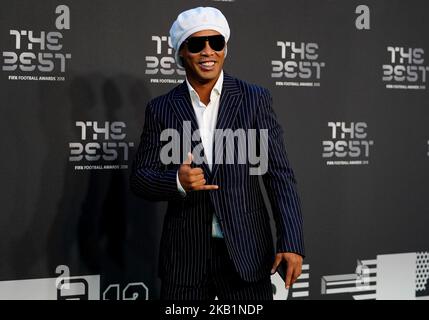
(194, 20)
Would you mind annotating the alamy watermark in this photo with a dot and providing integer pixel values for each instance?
(224, 142)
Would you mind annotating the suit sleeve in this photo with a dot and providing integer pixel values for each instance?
(280, 183)
(150, 179)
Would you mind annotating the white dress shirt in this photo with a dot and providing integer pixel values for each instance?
(206, 118)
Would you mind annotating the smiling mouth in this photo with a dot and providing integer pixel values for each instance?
(206, 65)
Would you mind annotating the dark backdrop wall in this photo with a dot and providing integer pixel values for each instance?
(349, 82)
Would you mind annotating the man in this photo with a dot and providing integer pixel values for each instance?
(216, 237)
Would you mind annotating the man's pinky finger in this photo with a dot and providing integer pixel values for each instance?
(206, 187)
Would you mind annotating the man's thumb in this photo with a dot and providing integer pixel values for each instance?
(189, 159)
(276, 264)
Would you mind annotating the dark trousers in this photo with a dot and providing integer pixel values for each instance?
(221, 281)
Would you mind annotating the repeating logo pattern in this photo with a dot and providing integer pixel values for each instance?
(39, 55)
(348, 144)
(66, 287)
(101, 146)
(161, 65)
(402, 276)
(406, 68)
(299, 64)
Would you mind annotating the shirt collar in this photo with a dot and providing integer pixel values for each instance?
(217, 87)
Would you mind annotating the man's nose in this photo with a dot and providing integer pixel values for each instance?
(207, 49)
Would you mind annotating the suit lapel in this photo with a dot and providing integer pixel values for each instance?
(182, 108)
(230, 102)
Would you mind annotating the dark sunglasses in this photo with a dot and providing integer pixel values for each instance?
(197, 44)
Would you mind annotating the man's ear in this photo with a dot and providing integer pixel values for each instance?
(182, 60)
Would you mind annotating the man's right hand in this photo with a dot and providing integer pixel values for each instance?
(192, 179)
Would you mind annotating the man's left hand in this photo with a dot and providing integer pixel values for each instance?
(294, 266)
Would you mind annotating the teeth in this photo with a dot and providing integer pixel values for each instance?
(208, 64)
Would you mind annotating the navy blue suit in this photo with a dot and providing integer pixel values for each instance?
(238, 203)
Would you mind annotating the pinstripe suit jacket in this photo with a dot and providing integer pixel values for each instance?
(238, 203)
